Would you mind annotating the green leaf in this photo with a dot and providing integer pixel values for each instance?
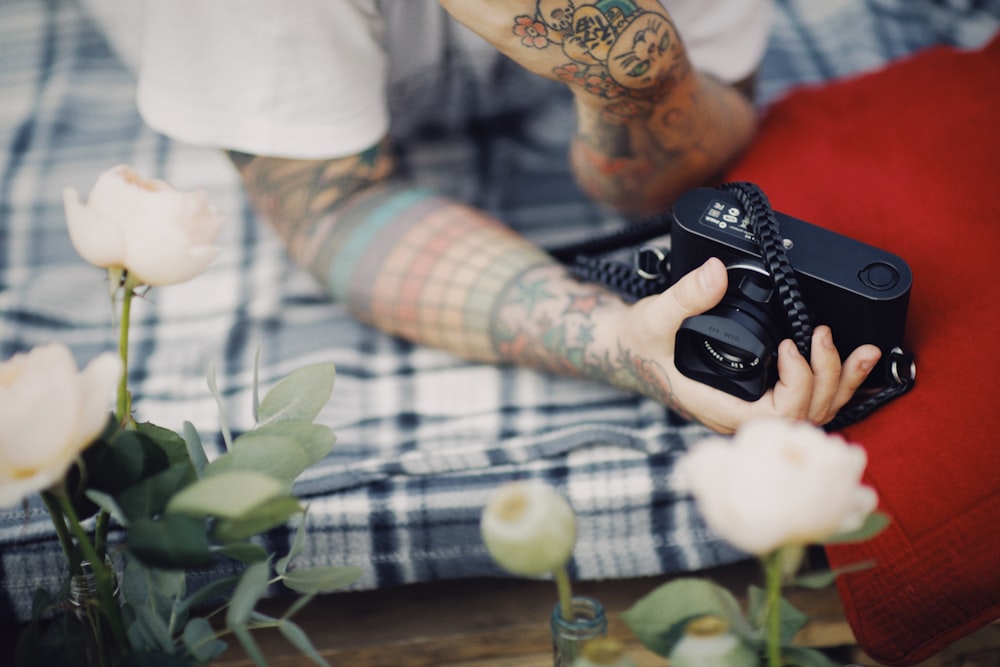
(196, 450)
(245, 552)
(250, 646)
(199, 638)
(298, 638)
(210, 591)
(300, 396)
(255, 398)
(298, 543)
(797, 656)
(156, 628)
(316, 439)
(170, 443)
(250, 588)
(267, 515)
(874, 524)
(299, 604)
(792, 619)
(108, 504)
(321, 579)
(149, 497)
(174, 541)
(229, 495)
(825, 578)
(276, 456)
(657, 619)
(213, 387)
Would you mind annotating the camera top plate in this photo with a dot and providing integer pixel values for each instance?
(714, 224)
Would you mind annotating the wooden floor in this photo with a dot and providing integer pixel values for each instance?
(504, 623)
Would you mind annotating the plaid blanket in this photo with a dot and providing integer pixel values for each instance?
(423, 437)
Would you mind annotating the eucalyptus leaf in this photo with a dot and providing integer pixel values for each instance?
(298, 543)
(150, 496)
(156, 627)
(245, 552)
(321, 579)
(874, 524)
(300, 396)
(213, 387)
(249, 590)
(298, 638)
(228, 495)
(657, 619)
(300, 603)
(173, 541)
(316, 439)
(274, 455)
(195, 449)
(217, 588)
(792, 619)
(250, 646)
(826, 578)
(200, 640)
(267, 515)
(255, 396)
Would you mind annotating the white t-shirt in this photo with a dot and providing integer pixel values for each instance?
(319, 78)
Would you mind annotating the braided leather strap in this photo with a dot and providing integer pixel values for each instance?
(765, 227)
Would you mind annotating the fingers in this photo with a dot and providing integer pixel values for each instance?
(817, 391)
(694, 293)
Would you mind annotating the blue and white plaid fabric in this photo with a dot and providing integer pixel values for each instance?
(423, 437)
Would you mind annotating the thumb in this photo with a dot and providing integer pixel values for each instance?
(697, 291)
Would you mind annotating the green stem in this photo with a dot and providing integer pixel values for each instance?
(123, 407)
(102, 577)
(565, 593)
(773, 577)
(59, 522)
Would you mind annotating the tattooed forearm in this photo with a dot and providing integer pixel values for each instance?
(295, 196)
(548, 321)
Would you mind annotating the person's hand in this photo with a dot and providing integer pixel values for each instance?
(811, 390)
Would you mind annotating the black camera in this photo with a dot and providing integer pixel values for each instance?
(861, 292)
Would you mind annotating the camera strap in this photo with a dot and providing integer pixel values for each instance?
(648, 272)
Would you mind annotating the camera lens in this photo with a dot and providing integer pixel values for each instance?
(732, 347)
(730, 358)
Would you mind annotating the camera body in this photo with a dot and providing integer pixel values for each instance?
(861, 292)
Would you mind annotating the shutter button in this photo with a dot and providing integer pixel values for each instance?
(880, 276)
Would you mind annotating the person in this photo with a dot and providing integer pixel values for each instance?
(296, 93)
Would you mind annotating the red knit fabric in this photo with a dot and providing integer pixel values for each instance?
(908, 159)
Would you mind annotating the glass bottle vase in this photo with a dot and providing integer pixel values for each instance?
(568, 636)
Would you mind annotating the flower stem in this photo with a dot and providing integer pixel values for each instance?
(773, 577)
(123, 407)
(59, 522)
(565, 593)
(102, 577)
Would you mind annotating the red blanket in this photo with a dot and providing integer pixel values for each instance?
(908, 159)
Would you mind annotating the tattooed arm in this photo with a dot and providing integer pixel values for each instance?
(649, 126)
(441, 274)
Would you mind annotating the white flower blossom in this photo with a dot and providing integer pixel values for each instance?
(49, 413)
(777, 483)
(529, 529)
(158, 234)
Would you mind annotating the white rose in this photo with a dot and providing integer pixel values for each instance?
(777, 483)
(49, 412)
(161, 236)
(529, 529)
